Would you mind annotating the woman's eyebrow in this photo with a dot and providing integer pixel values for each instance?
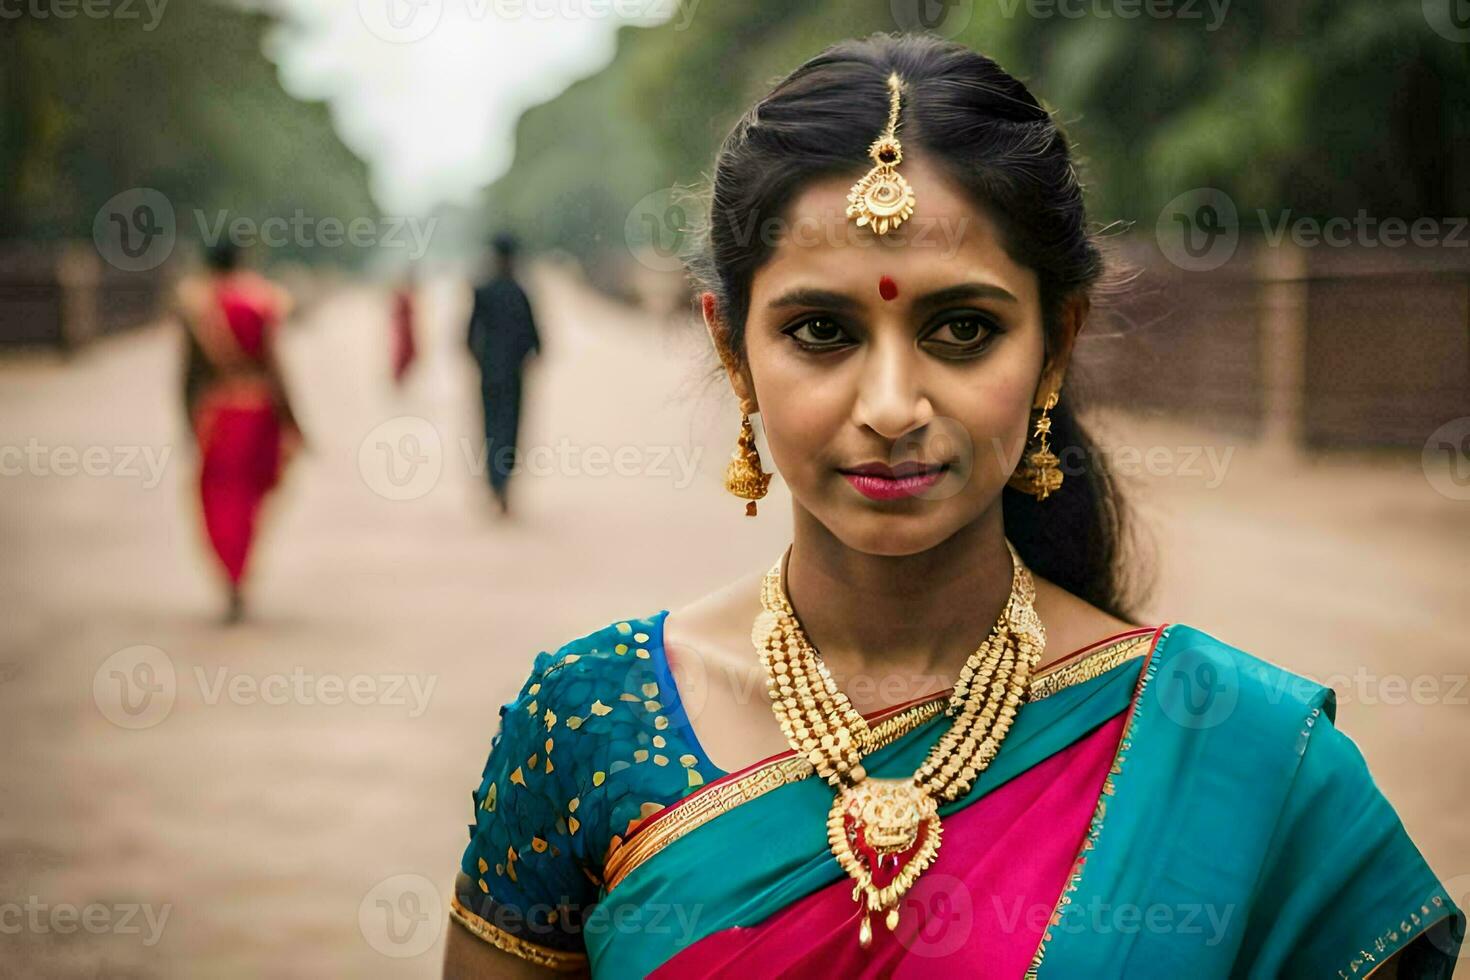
(812, 296)
(842, 302)
(965, 290)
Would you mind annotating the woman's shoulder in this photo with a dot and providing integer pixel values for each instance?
(1209, 679)
(605, 693)
(607, 655)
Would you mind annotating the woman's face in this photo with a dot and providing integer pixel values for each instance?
(923, 345)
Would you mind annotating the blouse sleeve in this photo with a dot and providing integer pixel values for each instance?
(1344, 887)
(522, 884)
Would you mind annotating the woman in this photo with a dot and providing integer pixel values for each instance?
(404, 347)
(1080, 794)
(237, 404)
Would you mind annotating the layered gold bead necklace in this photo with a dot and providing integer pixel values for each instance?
(885, 832)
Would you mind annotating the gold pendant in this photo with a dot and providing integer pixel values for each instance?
(884, 833)
(882, 199)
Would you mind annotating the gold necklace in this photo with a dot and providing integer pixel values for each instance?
(885, 832)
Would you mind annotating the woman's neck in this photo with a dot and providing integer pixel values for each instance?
(895, 617)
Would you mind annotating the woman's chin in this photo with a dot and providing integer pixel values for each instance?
(894, 532)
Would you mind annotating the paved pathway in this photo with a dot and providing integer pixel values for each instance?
(233, 824)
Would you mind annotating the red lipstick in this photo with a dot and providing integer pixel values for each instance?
(879, 481)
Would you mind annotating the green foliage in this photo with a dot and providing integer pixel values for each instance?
(1319, 106)
(192, 108)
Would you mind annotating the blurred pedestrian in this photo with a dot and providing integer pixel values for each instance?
(404, 347)
(236, 402)
(502, 335)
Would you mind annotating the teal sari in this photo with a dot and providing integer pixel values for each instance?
(1172, 805)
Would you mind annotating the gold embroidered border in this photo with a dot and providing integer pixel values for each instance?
(1392, 936)
(1087, 666)
(554, 959)
(723, 797)
(1094, 827)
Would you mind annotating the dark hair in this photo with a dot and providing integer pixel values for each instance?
(222, 256)
(989, 134)
(505, 244)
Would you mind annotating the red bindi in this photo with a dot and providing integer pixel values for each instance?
(887, 288)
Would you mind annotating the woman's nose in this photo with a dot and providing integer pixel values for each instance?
(890, 398)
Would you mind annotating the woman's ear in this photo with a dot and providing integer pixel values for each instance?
(719, 335)
(1073, 317)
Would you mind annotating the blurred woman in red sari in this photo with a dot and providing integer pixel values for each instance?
(236, 402)
(404, 348)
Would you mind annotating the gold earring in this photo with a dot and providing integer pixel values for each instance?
(1040, 472)
(744, 476)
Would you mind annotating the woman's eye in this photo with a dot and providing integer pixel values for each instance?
(817, 332)
(970, 332)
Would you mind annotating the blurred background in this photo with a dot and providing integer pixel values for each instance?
(1285, 387)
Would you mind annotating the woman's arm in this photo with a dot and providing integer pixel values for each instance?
(468, 957)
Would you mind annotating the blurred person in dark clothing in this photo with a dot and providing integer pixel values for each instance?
(502, 336)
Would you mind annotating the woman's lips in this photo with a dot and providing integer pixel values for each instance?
(875, 486)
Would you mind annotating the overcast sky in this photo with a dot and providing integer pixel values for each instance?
(428, 91)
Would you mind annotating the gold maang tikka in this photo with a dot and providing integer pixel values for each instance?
(744, 476)
(1040, 472)
(882, 199)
